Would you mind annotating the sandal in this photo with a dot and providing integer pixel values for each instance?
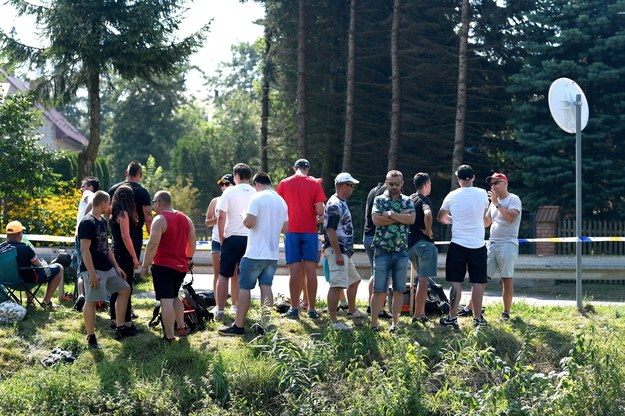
(183, 332)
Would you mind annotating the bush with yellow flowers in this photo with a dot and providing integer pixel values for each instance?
(54, 214)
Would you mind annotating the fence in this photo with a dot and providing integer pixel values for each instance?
(594, 229)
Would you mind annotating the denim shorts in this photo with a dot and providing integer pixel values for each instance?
(394, 263)
(215, 247)
(501, 259)
(424, 257)
(251, 270)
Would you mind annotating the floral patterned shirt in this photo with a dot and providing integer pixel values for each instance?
(393, 237)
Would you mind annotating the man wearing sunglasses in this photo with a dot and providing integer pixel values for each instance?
(392, 215)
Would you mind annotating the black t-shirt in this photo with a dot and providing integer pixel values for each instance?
(25, 255)
(376, 191)
(419, 223)
(96, 230)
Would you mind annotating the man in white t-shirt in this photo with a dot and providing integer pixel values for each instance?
(232, 233)
(266, 217)
(465, 209)
(89, 186)
(504, 219)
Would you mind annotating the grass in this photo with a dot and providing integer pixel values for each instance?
(546, 360)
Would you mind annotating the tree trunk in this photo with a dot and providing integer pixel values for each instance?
(393, 148)
(349, 106)
(264, 117)
(301, 80)
(461, 106)
(87, 157)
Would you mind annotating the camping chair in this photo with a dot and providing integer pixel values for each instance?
(11, 281)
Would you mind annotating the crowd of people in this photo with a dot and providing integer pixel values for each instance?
(248, 220)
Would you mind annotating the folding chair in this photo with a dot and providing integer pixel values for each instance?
(12, 282)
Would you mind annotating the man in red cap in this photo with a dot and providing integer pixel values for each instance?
(504, 218)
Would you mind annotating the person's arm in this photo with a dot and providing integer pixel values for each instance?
(123, 219)
(428, 219)
(191, 240)
(221, 225)
(334, 243)
(94, 279)
(147, 214)
(319, 208)
(211, 220)
(158, 226)
(443, 216)
(285, 227)
(118, 269)
(249, 221)
(488, 219)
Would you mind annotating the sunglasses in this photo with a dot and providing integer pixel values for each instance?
(496, 183)
(393, 183)
(154, 201)
(351, 185)
(226, 184)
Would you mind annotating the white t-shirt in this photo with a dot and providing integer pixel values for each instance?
(85, 199)
(502, 231)
(270, 210)
(234, 202)
(467, 206)
(215, 234)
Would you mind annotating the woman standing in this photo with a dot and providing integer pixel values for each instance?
(123, 223)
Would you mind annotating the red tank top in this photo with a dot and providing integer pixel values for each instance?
(172, 249)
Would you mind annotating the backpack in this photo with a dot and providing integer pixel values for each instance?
(436, 302)
(196, 304)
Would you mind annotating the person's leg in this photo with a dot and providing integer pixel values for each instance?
(507, 293)
(179, 313)
(266, 298)
(168, 315)
(222, 292)
(477, 266)
(382, 263)
(295, 282)
(234, 287)
(421, 296)
(121, 305)
(453, 309)
(53, 284)
(477, 294)
(333, 301)
(215, 252)
(88, 313)
(352, 291)
(310, 267)
(398, 301)
(399, 266)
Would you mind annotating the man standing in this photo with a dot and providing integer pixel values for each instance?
(171, 248)
(26, 258)
(339, 248)
(504, 217)
(266, 218)
(465, 209)
(100, 270)
(392, 214)
(232, 234)
(89, 186)
(422, 252)
(304, 197)
(143, 204)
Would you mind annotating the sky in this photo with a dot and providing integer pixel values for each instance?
(232, 23)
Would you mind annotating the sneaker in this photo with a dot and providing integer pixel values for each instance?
(464, 312)
(357, 314)
(80, 302)
(170, 340)
(449, 321)
(505, 316)
(233, 310)
(312, 314)
(219, 316)
(183, 332)
(341, 326)
(384, 314)
(214, 310)
(292, 313)
(420, 319)
(393, 329)
(231, 330)
(92, 342)
(479, 322)
(121, 332)
(132, 330)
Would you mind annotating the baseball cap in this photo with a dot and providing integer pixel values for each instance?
(301, 163)
(495, 176)
(14, 227)
(226, 178)
(345, 177)
(465, 172)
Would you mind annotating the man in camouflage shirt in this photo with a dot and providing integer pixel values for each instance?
(392, 215)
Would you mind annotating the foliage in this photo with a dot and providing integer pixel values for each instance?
(66, 165)
(153, 177)
(53, 214)
(185, 198)
(26, 165)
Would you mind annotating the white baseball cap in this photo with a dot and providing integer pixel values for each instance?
(345, 177)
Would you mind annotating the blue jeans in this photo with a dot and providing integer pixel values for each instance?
(251, 270)
(424, 256)
(394, 263)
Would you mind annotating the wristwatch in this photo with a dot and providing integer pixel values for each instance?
(497, 206)
(389, 213)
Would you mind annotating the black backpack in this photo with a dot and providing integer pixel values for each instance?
(436, 302)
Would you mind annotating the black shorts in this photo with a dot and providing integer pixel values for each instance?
(232, 251)
(167, 281)
(460, 258)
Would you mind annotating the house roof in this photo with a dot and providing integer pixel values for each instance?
(63, 128)
(548, 213)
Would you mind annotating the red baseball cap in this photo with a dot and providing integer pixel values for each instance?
(496, 176)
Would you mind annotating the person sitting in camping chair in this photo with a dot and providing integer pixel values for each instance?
(26, 259)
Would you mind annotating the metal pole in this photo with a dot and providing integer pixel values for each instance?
(578, 200)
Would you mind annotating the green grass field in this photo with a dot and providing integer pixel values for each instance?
(546, 360)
